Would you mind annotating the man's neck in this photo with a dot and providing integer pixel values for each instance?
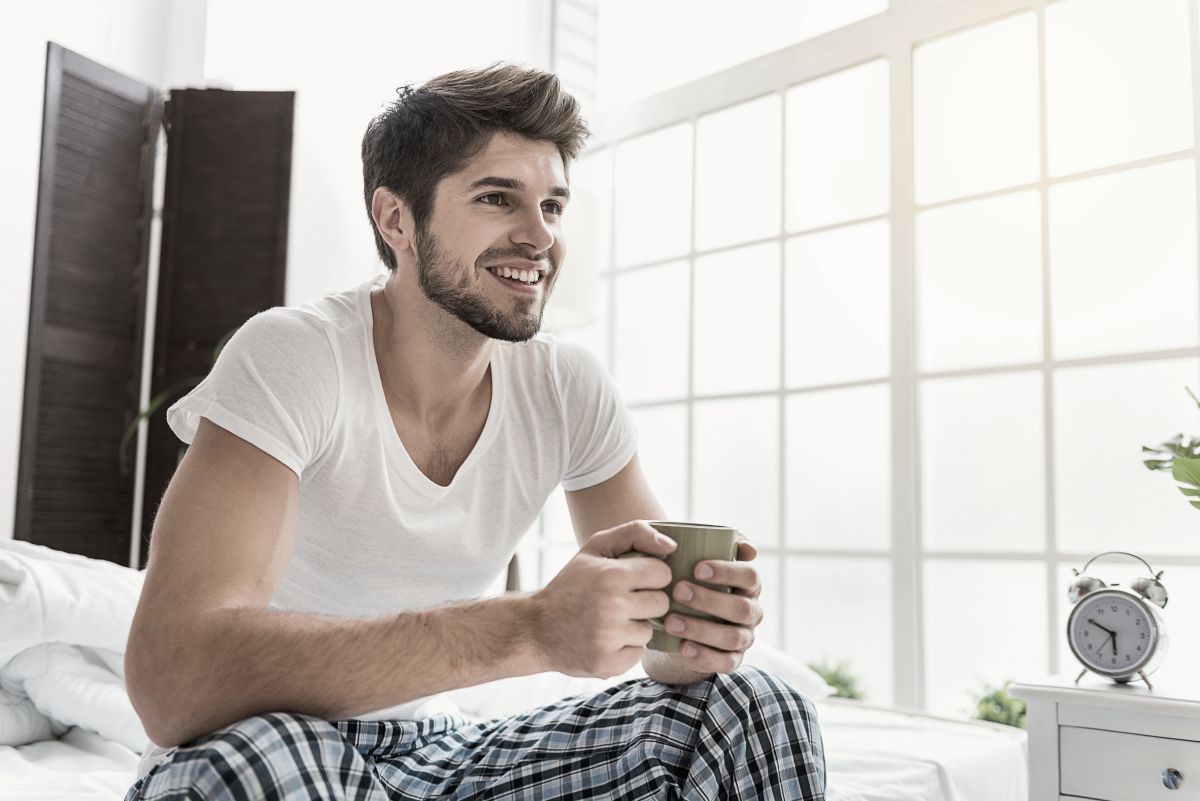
(432, 365)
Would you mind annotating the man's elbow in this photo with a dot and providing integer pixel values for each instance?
(160, 703)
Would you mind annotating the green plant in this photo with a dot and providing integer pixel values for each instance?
(1180, 455)
(157, 402)
(997, 706)
(839, 678)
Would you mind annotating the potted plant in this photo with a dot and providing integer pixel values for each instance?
(1180, 455)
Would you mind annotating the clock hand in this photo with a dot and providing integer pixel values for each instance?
(1097, 625)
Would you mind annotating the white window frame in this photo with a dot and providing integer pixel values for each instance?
(891, 35)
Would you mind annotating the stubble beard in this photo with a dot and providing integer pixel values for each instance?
(434, 273)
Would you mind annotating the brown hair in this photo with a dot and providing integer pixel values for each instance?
(430, 132)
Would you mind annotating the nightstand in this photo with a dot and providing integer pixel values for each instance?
(1114, 742)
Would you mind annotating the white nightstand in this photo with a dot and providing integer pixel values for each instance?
(1101, 740)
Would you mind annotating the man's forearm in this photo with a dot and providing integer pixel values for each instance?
(233, 663)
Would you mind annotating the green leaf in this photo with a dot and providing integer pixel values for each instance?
(1187, 473)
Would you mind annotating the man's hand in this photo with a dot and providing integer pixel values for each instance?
(718, 647)
(591, 619)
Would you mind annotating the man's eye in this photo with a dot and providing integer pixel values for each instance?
(553, 207)
(495, 195)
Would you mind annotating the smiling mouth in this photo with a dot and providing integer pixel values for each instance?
(529, 278)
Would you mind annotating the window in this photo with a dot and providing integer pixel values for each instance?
(904, 303)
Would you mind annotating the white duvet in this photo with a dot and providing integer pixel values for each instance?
(64, 620)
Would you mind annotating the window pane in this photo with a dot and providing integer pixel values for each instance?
(1118, 81)
(647, 48)
(840, 610)
(737, 320)
(737, 174)
(662, 451)
(839, 490)
(838, 293)
(1123, 262)
(977, 636)
(1106, 498)
(736, 466)
(838, 147)
(975, 107)
(652, 332)
(654, 196)
(983, 463)
(771, 629)
(979, 283)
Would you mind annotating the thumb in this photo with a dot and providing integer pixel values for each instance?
(636, 535)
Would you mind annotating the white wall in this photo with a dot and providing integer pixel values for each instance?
(344, 64)
(343, 59)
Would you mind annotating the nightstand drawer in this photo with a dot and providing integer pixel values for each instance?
(1125, 767)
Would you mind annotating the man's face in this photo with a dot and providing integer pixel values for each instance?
(503, 210)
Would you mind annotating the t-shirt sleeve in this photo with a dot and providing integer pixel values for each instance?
(275, 385)
(601, 436)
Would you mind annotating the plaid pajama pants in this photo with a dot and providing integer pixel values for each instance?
(740, 736)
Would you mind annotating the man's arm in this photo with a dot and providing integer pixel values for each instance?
(204, 651)
(627, 496)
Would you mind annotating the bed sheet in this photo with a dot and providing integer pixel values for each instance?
(873, 754)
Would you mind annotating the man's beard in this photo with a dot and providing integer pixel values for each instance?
(433, 276)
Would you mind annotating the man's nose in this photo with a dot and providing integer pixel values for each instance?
(535, 232)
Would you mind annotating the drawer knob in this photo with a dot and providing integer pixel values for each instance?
(1172, 779)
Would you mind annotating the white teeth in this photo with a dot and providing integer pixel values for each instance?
(525, 276)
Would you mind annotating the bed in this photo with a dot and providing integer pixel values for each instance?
(72, 735)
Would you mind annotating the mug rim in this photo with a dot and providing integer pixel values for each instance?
(679, 524)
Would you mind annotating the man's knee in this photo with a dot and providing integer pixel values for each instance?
(774, 701)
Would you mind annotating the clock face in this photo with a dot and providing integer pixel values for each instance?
(1111, 632)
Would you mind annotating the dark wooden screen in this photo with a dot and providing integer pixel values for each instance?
(224, 243)
(87, 307)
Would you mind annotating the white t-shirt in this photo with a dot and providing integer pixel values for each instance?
(375, 534)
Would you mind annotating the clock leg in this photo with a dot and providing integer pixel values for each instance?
(1080, 676)
(1143, 675)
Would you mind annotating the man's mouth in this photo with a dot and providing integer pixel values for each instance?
(527, 277)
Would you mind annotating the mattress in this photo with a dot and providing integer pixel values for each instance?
(872, 753)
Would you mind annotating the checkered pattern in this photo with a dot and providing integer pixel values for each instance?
(744, 736)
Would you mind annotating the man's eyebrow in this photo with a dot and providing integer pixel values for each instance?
(514, 184)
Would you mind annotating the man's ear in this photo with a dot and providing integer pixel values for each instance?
(392, 219)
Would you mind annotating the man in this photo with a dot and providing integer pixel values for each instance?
(361, 468)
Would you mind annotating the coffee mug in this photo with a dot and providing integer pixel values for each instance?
(696, 543)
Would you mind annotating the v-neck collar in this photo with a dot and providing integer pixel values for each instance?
(398, 454)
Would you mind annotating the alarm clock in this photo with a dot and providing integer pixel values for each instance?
(1116, 632)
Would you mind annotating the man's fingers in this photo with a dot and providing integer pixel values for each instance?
(705, 659)
(636, 535)
(722, 636)
(729, 574)
(732, 607)
(745, 550)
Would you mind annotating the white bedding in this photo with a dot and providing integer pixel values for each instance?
(872, 754)
(67, 730)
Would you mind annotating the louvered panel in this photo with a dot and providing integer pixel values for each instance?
(87, 307)
(224, 249)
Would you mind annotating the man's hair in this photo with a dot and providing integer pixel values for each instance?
(430, 132)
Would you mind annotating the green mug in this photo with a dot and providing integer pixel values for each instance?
(697, 542)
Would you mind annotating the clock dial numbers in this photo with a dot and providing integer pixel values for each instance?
(1111, 633)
